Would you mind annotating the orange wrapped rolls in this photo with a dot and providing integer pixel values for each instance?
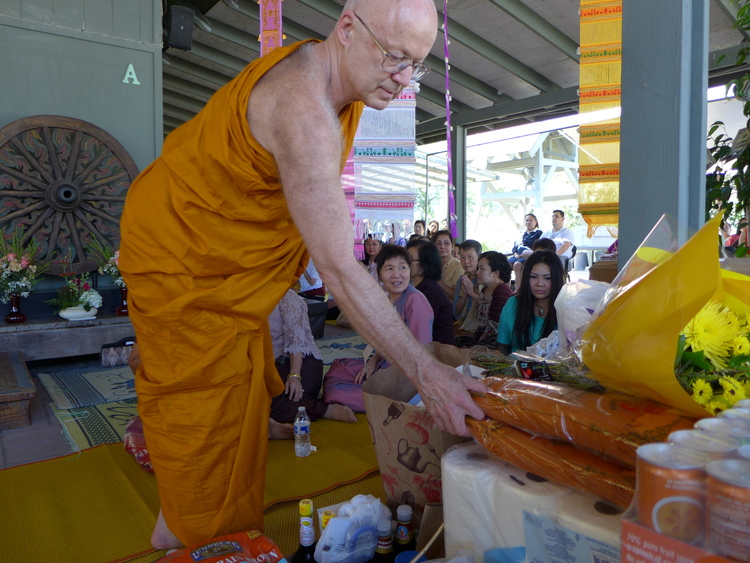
(608, 424)
(556, 461)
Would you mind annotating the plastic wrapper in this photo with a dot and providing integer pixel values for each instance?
(351, 536)
(575, 304)
(135, 443)
(556, 461)
(630, 345)
(239, 547)
(608, 424)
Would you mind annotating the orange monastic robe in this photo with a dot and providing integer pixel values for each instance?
(208, 249)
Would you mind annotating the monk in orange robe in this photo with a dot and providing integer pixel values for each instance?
(212, 237)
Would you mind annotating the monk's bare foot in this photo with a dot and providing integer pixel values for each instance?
(341, 413)
(279, 431)
(162, 537)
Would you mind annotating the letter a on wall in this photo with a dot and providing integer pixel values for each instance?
(130, 75)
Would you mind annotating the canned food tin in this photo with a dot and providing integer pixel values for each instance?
(325, 517)
(728, 508)
(670, 489)
(714, 446)
(735, 427)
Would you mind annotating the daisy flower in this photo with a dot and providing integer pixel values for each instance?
(702, 392)
(741, 346)
(733, 389)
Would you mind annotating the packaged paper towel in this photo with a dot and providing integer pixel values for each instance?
(495, 511)
(591, 516)
(483, 503)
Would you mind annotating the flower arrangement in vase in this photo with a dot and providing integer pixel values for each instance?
(77, 299)
(108, 261)
(19, 271)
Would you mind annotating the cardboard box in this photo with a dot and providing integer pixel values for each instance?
(639, 544)
(407, 443)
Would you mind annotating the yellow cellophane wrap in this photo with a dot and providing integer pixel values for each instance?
(631, 347)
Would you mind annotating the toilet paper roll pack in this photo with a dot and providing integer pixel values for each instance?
(591, 516)
(484, 499)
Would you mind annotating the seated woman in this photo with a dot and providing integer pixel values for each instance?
(530, 315)
(528, 236)
(426, 269)
(343, 381)
(299, 366)
(493, 272)
(372, 248)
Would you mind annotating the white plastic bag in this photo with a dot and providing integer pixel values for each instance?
(575, 306)
(351, 536)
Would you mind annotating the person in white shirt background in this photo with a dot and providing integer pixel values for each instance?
(559, 234)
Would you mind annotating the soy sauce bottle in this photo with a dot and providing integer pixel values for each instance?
(307, 542)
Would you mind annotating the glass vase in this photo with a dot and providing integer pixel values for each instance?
(15, 316)
(123, 308)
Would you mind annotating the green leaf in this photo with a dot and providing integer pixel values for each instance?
(741, 251)
(680, 350)
(696, 359)
(738, 361)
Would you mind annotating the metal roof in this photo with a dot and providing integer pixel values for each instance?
(512, 61)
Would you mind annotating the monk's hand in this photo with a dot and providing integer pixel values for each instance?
(293, 389)
(445, 393)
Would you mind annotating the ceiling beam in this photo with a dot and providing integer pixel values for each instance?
(183, 86)
(422, 115)
(541, 27)
(730, 11)
(198, 71)
(499, 57)
(182, 101)
(432, 95)
(238, 36)
(478, 117)
(231, 62)
(178, 112)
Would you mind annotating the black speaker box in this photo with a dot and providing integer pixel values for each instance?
(179, 27)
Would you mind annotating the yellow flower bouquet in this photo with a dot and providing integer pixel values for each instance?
(673, 325)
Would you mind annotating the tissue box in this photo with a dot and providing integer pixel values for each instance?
(407, 443)
(643, 545)
(499, 512)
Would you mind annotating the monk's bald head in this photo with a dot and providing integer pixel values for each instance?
(384, 13)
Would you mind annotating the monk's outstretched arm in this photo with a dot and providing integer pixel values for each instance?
(307, 147)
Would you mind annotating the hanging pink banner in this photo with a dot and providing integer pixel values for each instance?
(270, 25)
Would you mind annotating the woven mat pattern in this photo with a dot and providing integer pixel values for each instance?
(338, 347)
(84, 387)
(87, 427)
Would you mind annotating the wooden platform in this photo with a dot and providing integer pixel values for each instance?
(56, 338)
(16, 391)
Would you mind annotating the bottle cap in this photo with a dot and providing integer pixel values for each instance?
(300, 409)
(403, 513)
(305, 507)
(384, 527)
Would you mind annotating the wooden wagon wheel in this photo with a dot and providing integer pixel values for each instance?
(63, 181)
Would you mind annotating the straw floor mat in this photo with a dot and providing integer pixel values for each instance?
(91, 426)
(99, 506)
(83, 387)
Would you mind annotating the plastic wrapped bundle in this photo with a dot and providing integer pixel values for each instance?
(557, 461)
(608, 424)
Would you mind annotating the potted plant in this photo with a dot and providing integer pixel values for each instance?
(76, 300)
(108, 261)
(728, 183)
(18, 272)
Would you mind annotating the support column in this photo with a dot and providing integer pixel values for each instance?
(458, 161)
(663, 122)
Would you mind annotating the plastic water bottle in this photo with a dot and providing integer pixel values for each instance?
(302, 433)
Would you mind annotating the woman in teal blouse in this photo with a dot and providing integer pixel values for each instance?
(530, 315)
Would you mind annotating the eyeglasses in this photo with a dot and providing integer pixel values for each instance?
(394, 63)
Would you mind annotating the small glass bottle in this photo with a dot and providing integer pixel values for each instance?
(302, 433)
(306, 550)
(405, 538)
(384, 550)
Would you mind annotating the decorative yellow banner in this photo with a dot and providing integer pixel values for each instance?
(600, 78)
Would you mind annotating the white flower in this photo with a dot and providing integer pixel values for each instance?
(92, 298)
